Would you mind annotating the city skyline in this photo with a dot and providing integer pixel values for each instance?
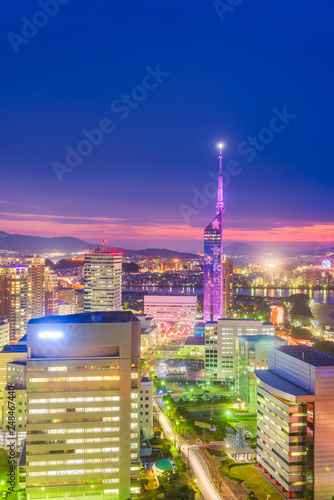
(279, 185)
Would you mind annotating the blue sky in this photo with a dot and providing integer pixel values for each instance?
(223, 80)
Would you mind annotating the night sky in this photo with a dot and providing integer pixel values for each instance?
(260, 71)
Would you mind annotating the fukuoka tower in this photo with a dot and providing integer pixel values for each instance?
(213, 257)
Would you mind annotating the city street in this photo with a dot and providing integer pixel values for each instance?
(197, 463)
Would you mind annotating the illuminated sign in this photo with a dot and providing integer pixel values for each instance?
(50, 335)
(326, 264)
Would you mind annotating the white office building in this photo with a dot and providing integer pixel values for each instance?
(295, 424)
(221, 344)
(103, 281)
(179, 309)
(83, 425)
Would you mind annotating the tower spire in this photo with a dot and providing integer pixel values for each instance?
(220, 201)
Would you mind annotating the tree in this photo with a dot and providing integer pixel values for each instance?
(180, 465)
(300, 308)
(183, 492)
(220, 433)
(325, 346)
(301, 333)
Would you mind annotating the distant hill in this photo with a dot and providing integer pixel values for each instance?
(240, 249)
(164, 253)
(38, 244)
(25, 244)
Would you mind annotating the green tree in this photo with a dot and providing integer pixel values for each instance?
(325, 346)
(301, 333)
(220, 433)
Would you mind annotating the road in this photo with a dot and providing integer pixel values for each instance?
(197, 463)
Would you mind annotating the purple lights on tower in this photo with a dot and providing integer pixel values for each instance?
(213, 254)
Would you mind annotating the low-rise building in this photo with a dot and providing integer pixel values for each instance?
(179, 309)
(193, 347)
(149, 335)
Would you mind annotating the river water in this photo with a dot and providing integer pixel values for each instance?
(319, 296)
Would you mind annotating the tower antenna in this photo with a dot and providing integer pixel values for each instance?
(220, 201)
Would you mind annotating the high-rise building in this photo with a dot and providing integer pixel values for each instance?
(227, 289)
(169, 308)
(83, 425)
(51, 292)
(36, 269)
(4, 332)
(103, 281)
(51, 280)
(220, 344)
(146, 407)
(252, 354)
(295, 424)
(15, 299)
(218, 283)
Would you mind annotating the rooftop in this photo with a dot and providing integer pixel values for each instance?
(261, 338)
(308, 355)
(282, 387)
(14, 348)
(89, 317)
(145, 379)
(164, 465)
(195, 341)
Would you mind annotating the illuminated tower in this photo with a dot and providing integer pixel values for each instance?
(214, 289)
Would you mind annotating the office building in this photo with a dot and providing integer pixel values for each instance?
(150, 334)
(103, 281)
(51, 292)
(51, 303)
(218, 273)
(295, 430)
(8, 354)
(146, 408)
(36, 270)
(199, 329)
(64, 309)
(15, 299)
(4, 332)
(83, 426)
(180, 309)
(252, 354)
(220, 344)
(14, 404)
(51, 280)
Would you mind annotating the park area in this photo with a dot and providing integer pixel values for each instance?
(252, 479)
